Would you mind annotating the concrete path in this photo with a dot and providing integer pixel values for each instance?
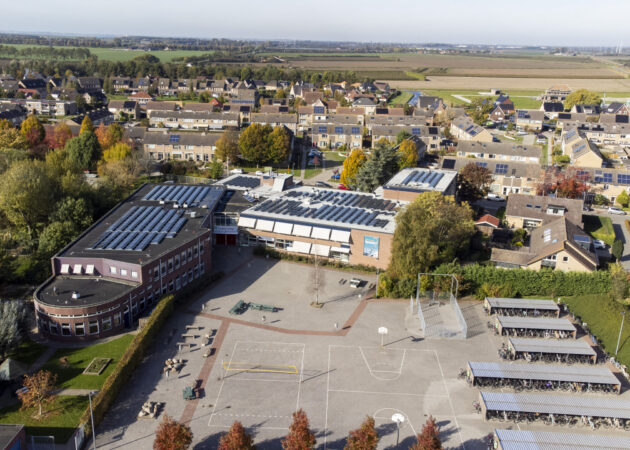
(462, 98)
(39, 362)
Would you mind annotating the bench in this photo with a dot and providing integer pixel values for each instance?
(259, 307)
(239, 308)
(184, 344)
(187, 335)
(193, 327)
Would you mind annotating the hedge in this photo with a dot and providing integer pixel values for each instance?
(137, 349)
(477, 279)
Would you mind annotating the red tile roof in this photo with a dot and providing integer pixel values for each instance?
(488, 219)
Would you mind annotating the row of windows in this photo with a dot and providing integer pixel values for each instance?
(113, 270)
(188, 156)
(186, 256)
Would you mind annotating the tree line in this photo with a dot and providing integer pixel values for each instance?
(53, 53)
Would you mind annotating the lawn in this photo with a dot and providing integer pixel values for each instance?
(525, 103)
(401, 99)
(61, 420)
(311, 172)
(600, 228)
(28, 352)
(71, 377)
(603, 316)
(544, 154)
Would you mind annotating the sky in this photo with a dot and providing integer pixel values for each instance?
(520, 22)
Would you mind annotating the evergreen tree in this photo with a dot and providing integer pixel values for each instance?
(378, 169)
(86, 125)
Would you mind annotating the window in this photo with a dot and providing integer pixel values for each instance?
(107, 323)
(190, 275)
(79, 329)
(93, 327)
(112, 270)
(501, 168)
(164, 289)
(142, 304)
(201, 248)
(123, 272)
(565, 258)
(177, 262)
(189, 254)
(195, 250)
(156, 273)
(170, 265)
(54, 328)
(171, 286)
(178, 283)
(184, 279)
(43, 324)
(482, 164)
(66, 330)
(202, 267)
(183, 257)
(134, 274)
(205, 157)
(117, 320)
(163, 267)
(134, 309)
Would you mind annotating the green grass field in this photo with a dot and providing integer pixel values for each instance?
(60, 421)
(311, 172)
(71, 377)
(600, 228)
(401, 99)
(603, 316)
(28, 352)
(122, 55)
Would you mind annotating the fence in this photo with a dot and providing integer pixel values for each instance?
(460, 316)
(423, 323)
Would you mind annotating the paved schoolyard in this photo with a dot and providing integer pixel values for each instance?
(260, 373)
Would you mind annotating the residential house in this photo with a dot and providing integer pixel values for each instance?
(89, 84)
(141, 97)
(487, 223)
(307, 115)
(552, 109)
(276, 120)
(431, 136)
(244, 112)
(583, 152)
(278, 109)
(366, 103)
(608, 182)
(589, 110)
(8, 84)
(154, 106)
(500, 151)
(44, 107)
(97, 116)
(197, 107)
(431, 104)
(617, 108)
(507, 176)
(330, 135)
(605, 135)
(190, 146)
(245, 97)
(502, 112)
(194, 120)
(531, 211)
(556, 93)
(559, 244)
(121, 84)
(129, 108)
(312, 97)
(14, 114)
(393, 120)
(33, 85)
(529, 119)
(464, 129)
(357, 112)
(565, 118)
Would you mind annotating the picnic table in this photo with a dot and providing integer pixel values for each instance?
(239, 308)
(260, 307)
(188, 393)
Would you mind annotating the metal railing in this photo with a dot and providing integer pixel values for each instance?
(460, 316)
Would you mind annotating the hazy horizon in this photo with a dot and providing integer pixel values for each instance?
(485, 22)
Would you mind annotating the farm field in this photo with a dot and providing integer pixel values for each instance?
(122, 55)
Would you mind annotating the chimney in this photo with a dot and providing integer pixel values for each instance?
(75, 295)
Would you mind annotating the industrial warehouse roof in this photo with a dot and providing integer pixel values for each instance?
(327, 207)
(535, 323)
(545, 440)
(562, 346)
(522, 303)
(152, 221)
(557, 404)
(546, 372)
(421, 180)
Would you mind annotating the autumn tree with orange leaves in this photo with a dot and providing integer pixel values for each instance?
(172, 435)
(236, 439)
(38, 390)
(300, 437)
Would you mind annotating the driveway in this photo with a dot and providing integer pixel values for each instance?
(621, 233)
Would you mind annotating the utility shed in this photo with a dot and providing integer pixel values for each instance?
(520, 305)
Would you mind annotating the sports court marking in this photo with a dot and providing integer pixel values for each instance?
(373, 372)
(260, 368)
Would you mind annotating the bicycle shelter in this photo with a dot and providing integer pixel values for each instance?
(538, 376)
(520, 439)
(537, 349)
(521, 307)
(534, 327)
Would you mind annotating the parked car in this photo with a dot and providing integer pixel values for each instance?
(587, 208)
(343, 187)
(598, 243)
(495, 198)
(322, 184)
(615, 210)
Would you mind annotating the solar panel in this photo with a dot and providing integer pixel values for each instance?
(174, 138)
(436, 180)
(583, 239)
(448, 164)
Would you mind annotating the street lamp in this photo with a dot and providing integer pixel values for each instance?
(92, 419)
(623, 316)
(398, 419)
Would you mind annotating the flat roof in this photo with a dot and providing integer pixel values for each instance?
(557, 404)
(546, 440)
(330, 208)
(522, 303)
(421, 180)
(546, 372)
(153, 215)
(92, 290)
(564, 346)
(542, 323)
(8, 433)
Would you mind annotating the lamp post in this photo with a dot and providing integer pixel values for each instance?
(623, 316)
(92, 419)
(398, 419)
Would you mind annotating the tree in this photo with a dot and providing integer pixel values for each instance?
(84, 150)
(12, 138)
(12, 320)
(280, 93)
(172, 435)
(623, 199)
(474, 182)
(120, 174)
(279, 144)
(77, 211)
(351, 166)
(33, 131)
(60, 136)
(216, 170)
(363, 438)
(429, 437)
(26, 194)
(236, 439)
(431, 230)
(407, 154)
(480, 108)
(39, 390)
(402, 135)
(253, 143)
(380, 167)
(86, 125)
(116, 152)
(227, 147)
(54, 237)
(300, 437)
(618, 281)
(582, 97)
(617, 249)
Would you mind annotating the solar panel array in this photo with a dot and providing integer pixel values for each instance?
(341, 198)
(141, 226)
(181, 194)
(427, 177)
(244, 182)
